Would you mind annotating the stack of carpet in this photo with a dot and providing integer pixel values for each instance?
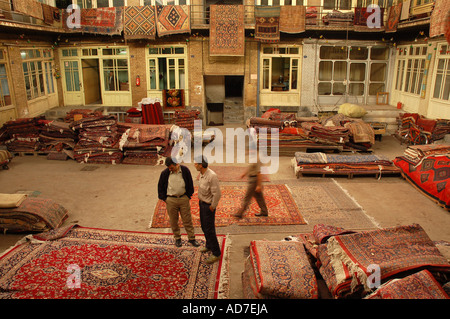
(22, 213)
(426, 167)
(98, 140)
(363, 264)
(23, 134)
(185, 119)
(340, 164)
(441, 129)
(78, 114)
(58, 139)
(143, 143)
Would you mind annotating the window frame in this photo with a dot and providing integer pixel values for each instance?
(268, 53)
(39, 70)
(411, 60)
(445, 57)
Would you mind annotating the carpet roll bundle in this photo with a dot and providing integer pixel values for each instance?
(185, 119)
(144, 143)
(98, 140)
(23, 134)
(78, 114)
(58, 139)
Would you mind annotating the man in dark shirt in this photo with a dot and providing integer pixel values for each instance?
(176, 187)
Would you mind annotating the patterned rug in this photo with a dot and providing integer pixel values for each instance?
(139, 22)
(282, 270)
(394, 17)
(108, 21)
(173, 19)
(347, 258)
(226, 29)
(282, 208)
(292, 19)
(29, 7)
(325, 201)
(110, 264)
(438, 17)
(267, 24)
(431, 176)
(421, 285)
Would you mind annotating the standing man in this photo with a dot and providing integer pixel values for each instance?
(209, 196)
(176, 187)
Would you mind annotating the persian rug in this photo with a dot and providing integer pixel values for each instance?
(421, 285)
(108, 21)
(360, 20)
(280, 203)
(438, 17)
(31, 8)
(292, 19)
(139, 22)
(282, 270)
(173, 98)
(234, 173)
(47, 13)
(90, 263)
(33, 214)
(173, 19)
(325, 200)
(431, 176)
(267, 24)
(226, 30)
(394, 18)
(346, 259)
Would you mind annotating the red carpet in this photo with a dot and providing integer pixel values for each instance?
(282, 208)
(111, 264)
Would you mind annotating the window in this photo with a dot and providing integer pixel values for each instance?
(115, 70)
(107, 3)
(354, 70)
(442, 76)
(410, 68)
(280, 71)
(337, 4)
(38, 72)
(167, 68)
(5, 94)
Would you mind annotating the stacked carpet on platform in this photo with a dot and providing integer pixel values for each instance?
(78, 114)
(98, 139)
(22, 135)
(111, 264)
(342, 164)
(58, 139)
(20, 213)
(185, 119)
(346, 260)
(278, 269)
(144, 144)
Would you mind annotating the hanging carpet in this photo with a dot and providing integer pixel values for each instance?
(267, 24)
(173, 19)
(226, 30)
(139, 22)
(292, 19)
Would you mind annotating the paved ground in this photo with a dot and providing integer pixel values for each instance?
(124, 197)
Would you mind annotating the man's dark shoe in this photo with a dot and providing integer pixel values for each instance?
(178, 242)
(194, 243)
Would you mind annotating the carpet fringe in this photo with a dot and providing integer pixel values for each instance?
(374, 222)
(338, 258)
(224, 281)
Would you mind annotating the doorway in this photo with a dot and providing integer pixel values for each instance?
(91, 81)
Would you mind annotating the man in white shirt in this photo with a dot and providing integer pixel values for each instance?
(209, 196)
